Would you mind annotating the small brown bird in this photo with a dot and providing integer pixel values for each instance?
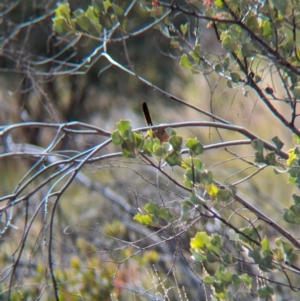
(161, 134)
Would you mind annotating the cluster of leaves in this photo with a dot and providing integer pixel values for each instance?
(218, 263)
(98, 15)
(194, 176)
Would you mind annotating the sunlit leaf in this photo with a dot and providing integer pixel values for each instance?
(184, 62)
(200, 240)
(116, 137)
(184, 28)
(144, 219)
(194, 146)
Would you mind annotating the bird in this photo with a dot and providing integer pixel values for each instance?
(161, 134)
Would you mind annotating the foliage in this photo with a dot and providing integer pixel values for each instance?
(86, 211)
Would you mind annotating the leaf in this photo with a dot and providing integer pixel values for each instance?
(278, 143)
(271, 158)
(116, 137)
(248, 50)
(152, 209)
(124, 127)
(194, 146)
(186, 207)
(61, 25)
(224, 195)
(184, 62)
(219, 69)
(200, 240)
(208, 280)
(138, 140)
(267, 29)
(265, 243)
(257, 144)
(265, 291)
(144, 219)
(235, 77)
(128, 149)
(195, 199)
(184, 28)
(296, 199)
(212, 189)
(259, 157)
(159, 150)
(165, 214)
(63, 10)
(176, 142)
(193, 175)
(197, 163)
(174, 158)
(292, 215)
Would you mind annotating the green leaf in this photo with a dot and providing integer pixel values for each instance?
(235, 77)
(186, 207)
(296, 199)
(197, 163)
(61, 25)
(271, 158)
(165, 214)
(208, 280)
(265, 263)
(252, 22)
(207, 177)
(267, 29)
(265, 291)
(296, 92)
(196, 256)
(63, 10)
(144, 219)
(184, 62)
(257, 144)
(174, 158)
(224, 194)
(116, 137)
(193, 175)
(184, 28)
(200, 240)
(211, 257)
(195, 199)
(278, 143)
(259, 157)
(219, 69)
(265, 244)
(128, 149)
(152, 209)
(292, 215)
(159, 150)
(246, 279)
(194, 146)
(176, 142)
(248, 49)
(138, 140)
(125, 128)
(148, 145)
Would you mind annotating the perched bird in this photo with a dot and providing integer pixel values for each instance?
(161, 134)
